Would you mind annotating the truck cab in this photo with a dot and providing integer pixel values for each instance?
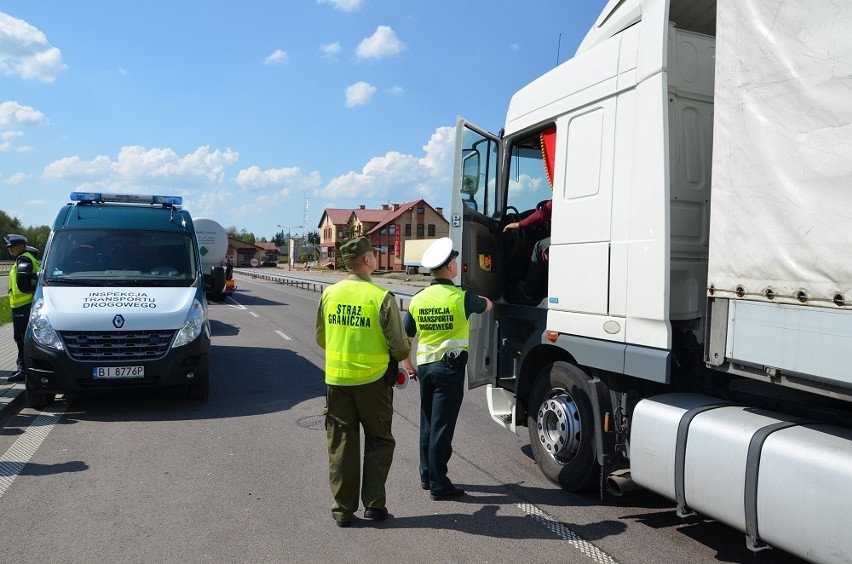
(120, 302)
(693, 329)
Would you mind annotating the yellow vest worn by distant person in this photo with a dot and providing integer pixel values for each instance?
(441, 323)
(17, 298)
(356, 349)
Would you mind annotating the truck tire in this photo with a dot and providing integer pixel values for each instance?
(38, 400)
(200, 389)
(561, 427)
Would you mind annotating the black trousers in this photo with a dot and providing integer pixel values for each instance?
(441, 395)
(20, 318)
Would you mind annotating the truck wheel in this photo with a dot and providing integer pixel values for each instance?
(38, 400)
(561, 427)
(200, 390)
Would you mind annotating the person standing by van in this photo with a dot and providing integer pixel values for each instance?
(438, 314)
(21, 289)
(359, 327)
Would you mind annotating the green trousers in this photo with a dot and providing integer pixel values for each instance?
(348, 409)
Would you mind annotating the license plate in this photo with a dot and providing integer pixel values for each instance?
(106, 372)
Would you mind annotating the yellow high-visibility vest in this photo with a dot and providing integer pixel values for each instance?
(17, 298)
(441, 322)
(356, 349)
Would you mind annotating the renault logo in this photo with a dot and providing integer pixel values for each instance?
(118, 321)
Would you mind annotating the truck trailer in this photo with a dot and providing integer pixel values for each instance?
(692, 335)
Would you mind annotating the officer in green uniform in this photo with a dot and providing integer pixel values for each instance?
(438, 314)
(358, 325)
(22, 282)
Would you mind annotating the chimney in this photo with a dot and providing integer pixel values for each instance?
(385, 207)
(362, 206)
(440, 211)
(395, 207)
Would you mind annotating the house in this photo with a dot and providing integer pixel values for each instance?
(388, 227)
(242, 253)
(269, 252)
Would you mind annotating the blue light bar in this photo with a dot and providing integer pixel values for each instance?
(126, 198)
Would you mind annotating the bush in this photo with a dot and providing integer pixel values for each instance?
(5, 310)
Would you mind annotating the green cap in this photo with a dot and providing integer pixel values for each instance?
(356, 248)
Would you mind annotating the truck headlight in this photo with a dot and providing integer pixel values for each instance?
(192, 326)
(43, 332)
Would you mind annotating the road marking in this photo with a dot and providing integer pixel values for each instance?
(563, 532)
(253, 314)
(283, 336)
(14, 459)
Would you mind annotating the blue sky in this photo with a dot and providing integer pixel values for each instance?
(250, 109)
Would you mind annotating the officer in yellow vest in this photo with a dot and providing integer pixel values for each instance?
(359, 326)
(22, 282)
(438, 314)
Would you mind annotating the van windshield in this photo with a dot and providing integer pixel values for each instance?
(117, 257)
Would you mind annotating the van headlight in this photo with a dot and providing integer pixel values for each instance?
(43, 332)
(192, 326)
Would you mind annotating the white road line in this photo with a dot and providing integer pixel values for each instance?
(283, 336)
(563, 532)
(14, 459)
(253, 314)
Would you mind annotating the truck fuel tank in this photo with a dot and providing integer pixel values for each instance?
(780, 480)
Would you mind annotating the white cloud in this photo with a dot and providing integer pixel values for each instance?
(330, 49)
(400, 177)
(359, 94)
(14, 179)
(278, 57)
(13, 114)
(25, 51)
(514, 46)
(344, 5)
(137, 167)
(383, 43)
(284, 179)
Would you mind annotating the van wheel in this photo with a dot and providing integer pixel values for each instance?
(200, 390)
(38, 400)
(561, 427)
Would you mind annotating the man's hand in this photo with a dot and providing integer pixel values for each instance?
(511, 226)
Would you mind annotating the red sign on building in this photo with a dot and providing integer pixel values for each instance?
(396, 242)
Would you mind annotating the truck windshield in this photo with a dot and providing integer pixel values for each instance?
(120, 257)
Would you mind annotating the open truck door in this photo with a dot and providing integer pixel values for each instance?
(473, 229)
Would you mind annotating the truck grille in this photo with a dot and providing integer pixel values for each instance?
(117, 346)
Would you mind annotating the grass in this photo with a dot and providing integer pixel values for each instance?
(5, 310)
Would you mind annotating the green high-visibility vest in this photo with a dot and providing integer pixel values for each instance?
(442, 325)
(356, 349)
(17, 298)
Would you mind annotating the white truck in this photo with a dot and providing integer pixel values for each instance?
(693, 335)
(412, 255)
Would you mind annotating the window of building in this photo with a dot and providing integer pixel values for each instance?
(420, 230)
(421, 210)
(392, 229)
(431, 229)
(408, 230)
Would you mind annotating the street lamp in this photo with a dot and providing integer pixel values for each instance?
(290, 245)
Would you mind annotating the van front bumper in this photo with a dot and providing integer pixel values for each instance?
(56, 372)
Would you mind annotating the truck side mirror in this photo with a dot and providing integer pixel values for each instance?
(25, 278)
(470, 172)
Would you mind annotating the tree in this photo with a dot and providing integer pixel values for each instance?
(313, 237)
(36, 236)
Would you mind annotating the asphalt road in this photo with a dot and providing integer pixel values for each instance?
(242, 477)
